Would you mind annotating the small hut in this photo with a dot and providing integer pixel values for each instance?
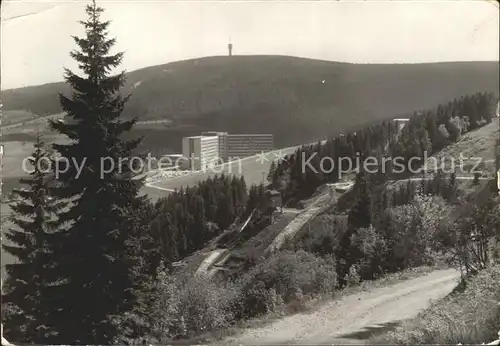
(274, 199)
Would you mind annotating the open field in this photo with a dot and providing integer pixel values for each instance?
(16, 116)
(253, 168)
(25, 120)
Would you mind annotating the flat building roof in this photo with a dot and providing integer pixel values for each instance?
(172, 155)
(250, 134)
(197, 137)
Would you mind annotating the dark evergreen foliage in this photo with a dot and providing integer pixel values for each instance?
(360, 214)
(98, 254)
(32, 242)
(425, 133)
(188, 219)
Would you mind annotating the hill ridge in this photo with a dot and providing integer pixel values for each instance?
(295, 99)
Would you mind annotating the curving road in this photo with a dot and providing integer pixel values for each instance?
(353, 319)
(253, 168)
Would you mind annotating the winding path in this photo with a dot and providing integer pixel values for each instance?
(354, 318)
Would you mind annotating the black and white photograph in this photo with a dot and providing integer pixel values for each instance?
(250, 172)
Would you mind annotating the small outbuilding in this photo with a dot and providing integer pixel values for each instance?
(274, 198)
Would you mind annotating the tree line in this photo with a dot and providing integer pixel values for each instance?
(190, 217)
(425, 133)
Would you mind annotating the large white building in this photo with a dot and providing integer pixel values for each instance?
(212, 148)
(222, 139)
(243, 145)
(201, 152)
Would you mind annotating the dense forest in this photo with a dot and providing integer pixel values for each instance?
(189, 218)
(425, 133)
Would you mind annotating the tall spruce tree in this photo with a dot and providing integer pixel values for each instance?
(360, 214)
(31, 242)
(102, 245)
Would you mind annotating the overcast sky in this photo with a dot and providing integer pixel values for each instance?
(36, 34)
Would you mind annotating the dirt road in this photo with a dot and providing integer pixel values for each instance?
(353, 319)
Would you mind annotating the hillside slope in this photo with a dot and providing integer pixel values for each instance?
(296, 99)
(354, 318)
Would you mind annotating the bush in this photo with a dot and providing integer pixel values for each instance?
(468, 317)
(372, 249)
(353, 278)
(288, 275)
(413, 231)
(454, 128)
(179, 306)
(205, 305)
(476, 236)
(322, 236)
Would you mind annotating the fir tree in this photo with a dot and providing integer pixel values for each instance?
(101, 247)
(360, 214)
(452, 188)
(476, 178)
(28, 287)
(272, 172)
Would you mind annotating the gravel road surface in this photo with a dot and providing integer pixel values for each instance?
(354, 318)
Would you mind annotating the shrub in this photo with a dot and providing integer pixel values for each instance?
(476, 237)
(179, 306)
(372, 249)
(443, 131)
(435, 215)
(274, 302)
(204, 305)
(468, 317)
(322, 235)
(288, 275)
(404, 238)
(454, 128)
(414, 231)
(353, 278)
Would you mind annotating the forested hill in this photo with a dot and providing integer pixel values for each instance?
(296, 99)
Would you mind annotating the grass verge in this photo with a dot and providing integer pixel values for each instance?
(311, 304)
(470, 315)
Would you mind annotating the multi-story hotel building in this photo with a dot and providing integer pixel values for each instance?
(243, 145)
(201, 152)
(222, 136)
(212, 148)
